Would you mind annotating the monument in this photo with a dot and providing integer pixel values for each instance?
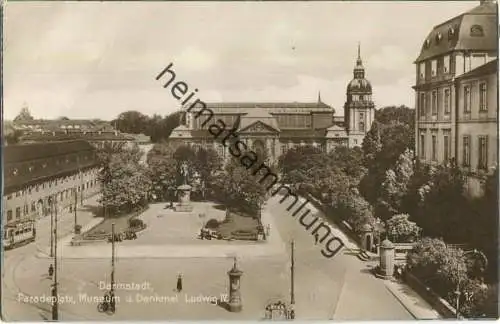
(184, 191)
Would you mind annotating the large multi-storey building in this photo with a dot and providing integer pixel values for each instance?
(277, 127)
(456, 92)
(65, 171)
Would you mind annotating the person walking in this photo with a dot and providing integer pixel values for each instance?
(51, 270)
(179, 282)
(316, 239)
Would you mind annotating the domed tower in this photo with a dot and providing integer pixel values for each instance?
(359, 110)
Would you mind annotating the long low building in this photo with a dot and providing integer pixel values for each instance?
(66, 171)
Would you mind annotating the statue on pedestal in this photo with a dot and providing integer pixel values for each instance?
(184, 190)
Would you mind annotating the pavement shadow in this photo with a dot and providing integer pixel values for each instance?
(97, 211)
(219, 207)
(222, 304)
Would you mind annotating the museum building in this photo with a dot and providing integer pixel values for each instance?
(66, 171)
(457, 94)
(278, 127)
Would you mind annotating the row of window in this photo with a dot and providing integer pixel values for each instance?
(482, 149)
(294, 121)
(286, 146)
(58, 197)
(435, 67)
(446, 146)
(441, 100)
(483, 97)
(444, 65)
(49, 184)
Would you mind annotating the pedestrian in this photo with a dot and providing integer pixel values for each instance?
(179, 282)
(316, 239)
(51, 270)
(268, 229)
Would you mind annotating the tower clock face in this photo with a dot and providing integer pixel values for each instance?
(235, 284)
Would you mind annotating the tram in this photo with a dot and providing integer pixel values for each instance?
(18, 233)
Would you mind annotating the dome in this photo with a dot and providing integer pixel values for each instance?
(359, 85)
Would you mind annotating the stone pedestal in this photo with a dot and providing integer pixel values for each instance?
(184, 194)
(234, 304)
(386, 260)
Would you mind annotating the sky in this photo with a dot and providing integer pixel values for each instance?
(98, 59)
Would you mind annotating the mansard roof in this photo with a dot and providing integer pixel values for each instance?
(474, 30)
(28, 152)
(30, 164)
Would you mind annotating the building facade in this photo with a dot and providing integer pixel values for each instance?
(65, 171)
(97, 132)
(278, 127)
(456, 92)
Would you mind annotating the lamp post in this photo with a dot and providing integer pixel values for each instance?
(51, 227)
(76, 202)
(55, 313)
(292, 273)
(112, 292)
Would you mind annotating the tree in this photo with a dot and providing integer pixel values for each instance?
(10, 134)
(396, 115)
(371, 144)
(356, 211)
(239, 189)
(162, 169)
(131, 121)
(307, 159)
(125, 183)
(395, 186)
(207, 162)
(24, 115)
(483, 219)
(390, 136)
(443, 207)
(400, 229)
(437, 265)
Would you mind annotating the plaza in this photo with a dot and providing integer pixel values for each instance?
(341, 288)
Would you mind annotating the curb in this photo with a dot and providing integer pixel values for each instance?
(404, 303)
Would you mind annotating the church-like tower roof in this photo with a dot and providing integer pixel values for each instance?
(359, 84)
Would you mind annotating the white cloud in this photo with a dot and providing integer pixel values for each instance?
(96, 59)
(195, 59)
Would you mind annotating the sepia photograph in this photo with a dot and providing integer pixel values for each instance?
(249, 160)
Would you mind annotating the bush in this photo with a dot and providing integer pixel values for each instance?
(401, 230)
(437, 265)
(212, 223)
(135, 223)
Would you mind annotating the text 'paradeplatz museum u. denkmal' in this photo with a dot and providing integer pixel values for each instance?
(278, 127)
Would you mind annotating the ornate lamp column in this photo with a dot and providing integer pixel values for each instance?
(234, 288)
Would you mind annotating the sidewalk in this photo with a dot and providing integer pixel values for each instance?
(413, 303)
